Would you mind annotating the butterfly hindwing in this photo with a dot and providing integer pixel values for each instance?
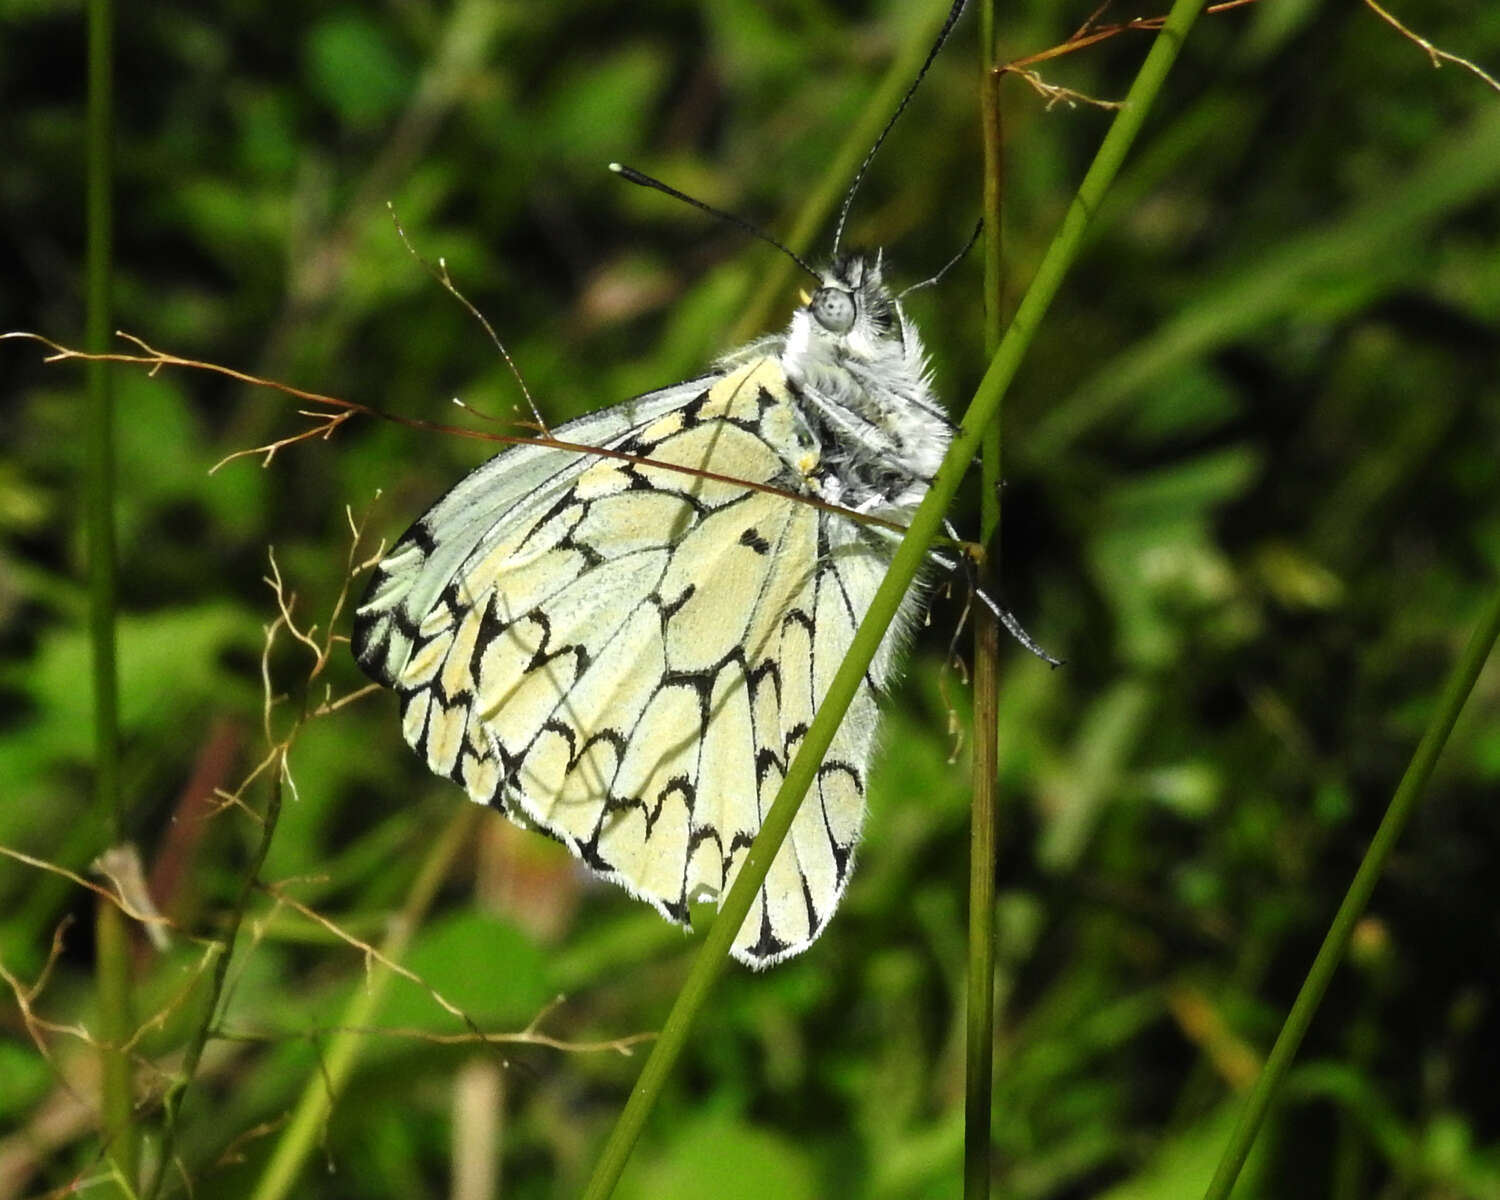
(627, 656)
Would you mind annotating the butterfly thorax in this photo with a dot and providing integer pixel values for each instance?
(858, 376)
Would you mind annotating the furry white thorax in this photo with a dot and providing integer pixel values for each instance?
(864, 392)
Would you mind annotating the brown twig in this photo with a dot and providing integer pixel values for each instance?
(232, 1153)
(1436, 55)
(1055, 94)
(119, 901)
(183, 994)
(1090, 33)
(326, 425)
(372, 955)
(624, 1046)
(25, 997)
(440, 273)
(276, 758)
(155, 360)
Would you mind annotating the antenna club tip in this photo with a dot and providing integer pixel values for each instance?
(617, 168)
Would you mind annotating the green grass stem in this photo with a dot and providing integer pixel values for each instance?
(1413, 783)
(111, 934)
(1331, 263)
(984, 816)
(908, 559)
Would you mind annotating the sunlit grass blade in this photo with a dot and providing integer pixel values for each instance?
(1332, 263)
(908, 559)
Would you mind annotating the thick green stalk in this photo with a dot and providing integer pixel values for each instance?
(111, 935)
(979, 1044)
(908, 559)
(116, 1011)
(992, 145)
(1413, 783)
(994, 189)
(303, 1132)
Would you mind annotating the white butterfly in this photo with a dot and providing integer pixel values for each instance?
(626, 656)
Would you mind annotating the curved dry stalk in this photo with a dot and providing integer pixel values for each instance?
(325, 423)
(1091, 33)
(445, 281)
(148, 918)
(624, 1046)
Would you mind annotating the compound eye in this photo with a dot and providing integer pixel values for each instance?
(833, 309)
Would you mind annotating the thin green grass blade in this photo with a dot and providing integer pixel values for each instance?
(304, 1131)
(908, 559)
(192, 1055)
(1413, 783)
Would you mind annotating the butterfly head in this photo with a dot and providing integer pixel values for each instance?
(854, 306)
(851, 336)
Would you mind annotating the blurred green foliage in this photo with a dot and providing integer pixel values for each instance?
(1253, 500)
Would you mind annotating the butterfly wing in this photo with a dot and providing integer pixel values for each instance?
(627, 656)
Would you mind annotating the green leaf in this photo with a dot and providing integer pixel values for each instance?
(723, 1157)
(485, 966)
(169, 665)
(351, 62)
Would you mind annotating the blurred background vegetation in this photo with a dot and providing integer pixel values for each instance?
(1252, 499)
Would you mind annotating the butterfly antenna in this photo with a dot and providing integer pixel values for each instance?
(639, 177)
(949, 265)
(859, 175)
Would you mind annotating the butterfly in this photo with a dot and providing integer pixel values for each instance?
(618, 635)
(625, 651)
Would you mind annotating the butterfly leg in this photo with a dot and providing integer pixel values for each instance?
(1013, 627)
(1001, 614)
